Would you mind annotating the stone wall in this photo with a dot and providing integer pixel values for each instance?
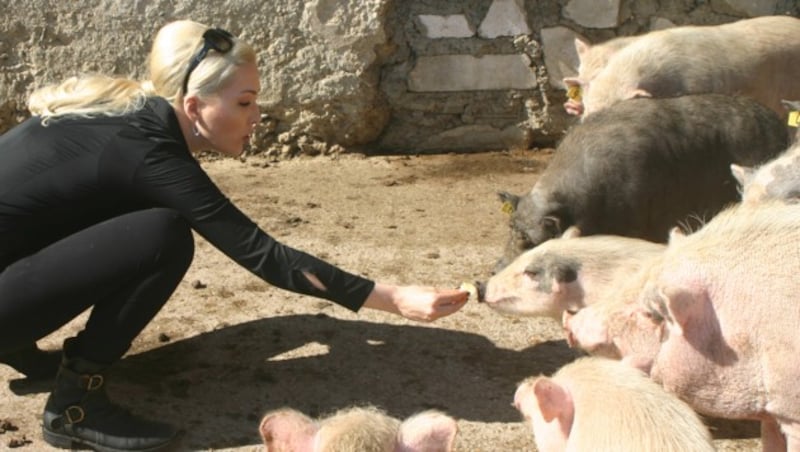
(375, 76)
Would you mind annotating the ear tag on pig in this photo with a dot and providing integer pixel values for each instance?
(507, 208)
(794, 118)
(574, 92)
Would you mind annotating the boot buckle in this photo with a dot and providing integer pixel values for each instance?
(91, 382)
(74, 414)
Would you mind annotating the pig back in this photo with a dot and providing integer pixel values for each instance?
(645, 165)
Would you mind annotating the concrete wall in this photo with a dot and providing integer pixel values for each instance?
(376, 76)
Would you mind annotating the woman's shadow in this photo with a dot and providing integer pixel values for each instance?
(217, 385)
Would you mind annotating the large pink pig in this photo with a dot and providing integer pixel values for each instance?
(602, 405)
(757, 57)
(728, 294)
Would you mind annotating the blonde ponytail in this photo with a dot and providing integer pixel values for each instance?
(89, 95)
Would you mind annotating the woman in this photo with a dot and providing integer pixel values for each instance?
(99, 193)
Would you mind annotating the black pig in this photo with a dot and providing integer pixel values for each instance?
(643, 166)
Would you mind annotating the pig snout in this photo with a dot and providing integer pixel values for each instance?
(476, 289)
(480, 286)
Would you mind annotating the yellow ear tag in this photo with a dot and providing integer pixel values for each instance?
(794, 118)
(574, 92)
(507, 208)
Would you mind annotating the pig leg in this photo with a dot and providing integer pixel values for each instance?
(772, 439)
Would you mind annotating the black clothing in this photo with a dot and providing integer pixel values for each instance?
(72, 197)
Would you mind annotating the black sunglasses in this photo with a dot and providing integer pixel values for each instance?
(213, 39)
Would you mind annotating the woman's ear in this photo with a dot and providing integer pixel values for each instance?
(191, 108)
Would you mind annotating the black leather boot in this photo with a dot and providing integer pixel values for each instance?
(34, 363)
(79, 413)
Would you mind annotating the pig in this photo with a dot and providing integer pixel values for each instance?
(642, 167)
(357, 429)
(567, 273)
(758, 57)
(592, 59)
(728, 294)
(777, 179)
(602, 405)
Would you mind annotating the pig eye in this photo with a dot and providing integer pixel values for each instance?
(522, 240)
(653, 316)
(532, 273)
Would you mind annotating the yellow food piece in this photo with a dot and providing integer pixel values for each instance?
(469, 287)
(794, 118)
(574, 92)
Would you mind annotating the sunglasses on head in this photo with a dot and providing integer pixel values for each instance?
(213, 39)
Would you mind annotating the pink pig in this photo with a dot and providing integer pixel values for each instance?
(567, 274)
(362, 429)
(728, 295)
(758, 57)
(602, 405)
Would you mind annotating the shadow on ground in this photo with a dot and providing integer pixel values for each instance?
(317, 364)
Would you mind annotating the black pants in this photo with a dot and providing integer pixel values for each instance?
(124, 268)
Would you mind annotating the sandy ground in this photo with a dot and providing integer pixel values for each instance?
(228, 347)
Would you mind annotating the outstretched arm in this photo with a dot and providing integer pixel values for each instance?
(419, 303)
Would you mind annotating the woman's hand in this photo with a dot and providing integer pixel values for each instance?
(423, 304)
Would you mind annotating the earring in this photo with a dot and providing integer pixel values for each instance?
(195, 131)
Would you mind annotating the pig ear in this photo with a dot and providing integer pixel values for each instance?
(581, 47)
(571, 81)
(742, 174)
(427, 431)
(682, 306)
(790, 105)
(554, 400)
(676, 234)
(552, 225)
(287, 429)
(571, 232)
(638, 93)
(510, 201)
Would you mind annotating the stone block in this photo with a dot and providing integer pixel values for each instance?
(593, 13)
(504, 18)
(560, 56)
(471, 73)
(452, 26)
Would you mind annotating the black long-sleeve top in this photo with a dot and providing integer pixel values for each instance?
(74, 172)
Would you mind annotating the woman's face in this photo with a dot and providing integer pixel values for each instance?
(227, 118)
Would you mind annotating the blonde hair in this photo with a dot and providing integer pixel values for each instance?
(173, 47)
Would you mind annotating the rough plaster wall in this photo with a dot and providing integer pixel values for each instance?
(335, 72)
(319, 59)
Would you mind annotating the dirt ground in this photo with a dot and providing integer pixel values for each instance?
(228, 347)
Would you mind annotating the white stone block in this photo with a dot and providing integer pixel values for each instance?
(593, 13)
(452, 26)
(471, 73)
(560, 56)
(504, 18)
